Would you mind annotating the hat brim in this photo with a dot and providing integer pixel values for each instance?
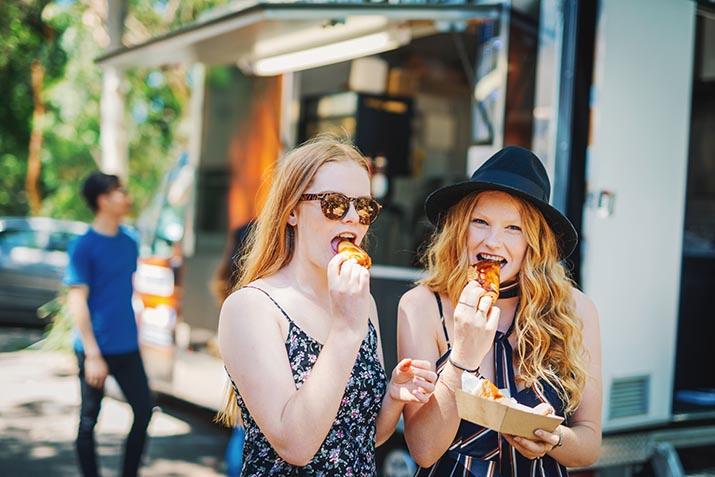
(442, 199)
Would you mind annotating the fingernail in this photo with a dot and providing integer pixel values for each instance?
(539, 432)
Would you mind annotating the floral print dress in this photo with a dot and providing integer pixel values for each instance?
(349, 448)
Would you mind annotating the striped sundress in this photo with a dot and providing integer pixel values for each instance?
(480, 452)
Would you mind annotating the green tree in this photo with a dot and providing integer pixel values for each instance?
(30, 59)
(63, 38)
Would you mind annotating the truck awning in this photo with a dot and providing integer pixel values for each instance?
(243, 33)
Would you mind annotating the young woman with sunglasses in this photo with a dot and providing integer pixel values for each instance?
(539, 341)
(300, 337)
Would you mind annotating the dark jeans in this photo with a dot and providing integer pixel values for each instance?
(128, 371)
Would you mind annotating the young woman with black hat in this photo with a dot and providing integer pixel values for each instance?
(540, 340)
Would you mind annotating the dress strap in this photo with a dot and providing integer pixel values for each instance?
(441, 317)
(271, 298)
(503, 361)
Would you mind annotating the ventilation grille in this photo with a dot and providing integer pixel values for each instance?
(629, 397)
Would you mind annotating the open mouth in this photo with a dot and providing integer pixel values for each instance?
(494, 258)
(339, 238)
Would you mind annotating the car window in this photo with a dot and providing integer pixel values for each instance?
(30, 247)
(59, 241)
(10, 239)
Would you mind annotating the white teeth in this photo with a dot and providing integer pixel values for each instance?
(485, 256)
(348, 236)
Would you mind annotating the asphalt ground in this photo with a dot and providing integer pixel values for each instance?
(39, 408)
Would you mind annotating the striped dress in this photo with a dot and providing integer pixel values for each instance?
(477, 451)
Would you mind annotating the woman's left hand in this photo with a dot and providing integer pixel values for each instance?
(412, 381)
(542, 443)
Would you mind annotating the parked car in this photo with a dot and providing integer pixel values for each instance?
(33, 257)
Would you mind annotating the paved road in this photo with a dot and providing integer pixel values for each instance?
(39, 401)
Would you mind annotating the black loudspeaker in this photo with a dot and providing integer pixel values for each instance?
(384, 128)
(379, 125)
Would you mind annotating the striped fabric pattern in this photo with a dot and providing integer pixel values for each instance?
(480, 452)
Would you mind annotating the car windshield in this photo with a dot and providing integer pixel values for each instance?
(36, 246)
(59, 241)
(43, 239)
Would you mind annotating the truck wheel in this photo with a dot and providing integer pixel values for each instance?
(393, 459)
(398, 463)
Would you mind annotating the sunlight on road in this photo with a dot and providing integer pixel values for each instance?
(116, 418)
(39, 414)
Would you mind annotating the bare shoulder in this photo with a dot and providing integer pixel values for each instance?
(584, 305)
(418, 302)
(417, 297)
(242, 307)
(246, 296)
(585, 308)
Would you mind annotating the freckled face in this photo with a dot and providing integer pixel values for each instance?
(495, 231)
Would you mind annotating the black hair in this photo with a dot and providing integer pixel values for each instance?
(96, 184)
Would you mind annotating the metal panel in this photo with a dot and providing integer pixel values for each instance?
(666, 462)
(639, 447)
(224, 39)
(624, 450)
(629, 397)
(636, 171)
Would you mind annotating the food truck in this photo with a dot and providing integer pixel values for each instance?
(617, 98)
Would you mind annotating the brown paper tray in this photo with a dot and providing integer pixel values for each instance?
(502, 418)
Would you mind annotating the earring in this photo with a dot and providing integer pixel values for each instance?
(291, 238)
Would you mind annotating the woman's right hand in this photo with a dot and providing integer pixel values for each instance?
(475, 325)
(349, 288)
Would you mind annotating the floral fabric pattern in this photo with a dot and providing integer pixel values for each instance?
(349, 448)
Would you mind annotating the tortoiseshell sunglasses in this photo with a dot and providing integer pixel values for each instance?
(336, 205)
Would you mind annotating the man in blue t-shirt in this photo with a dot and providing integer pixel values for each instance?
(99, 280)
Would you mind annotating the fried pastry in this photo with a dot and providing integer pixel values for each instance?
(486, 273)
(353, 251)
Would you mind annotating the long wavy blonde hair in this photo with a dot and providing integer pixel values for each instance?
(270, 245)
(549, 334)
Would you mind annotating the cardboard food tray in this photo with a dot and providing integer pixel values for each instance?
(501, 417)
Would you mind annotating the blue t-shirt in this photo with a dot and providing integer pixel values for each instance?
(106, 264)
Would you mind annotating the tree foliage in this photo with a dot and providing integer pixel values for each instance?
(66, 36)
(26, 38)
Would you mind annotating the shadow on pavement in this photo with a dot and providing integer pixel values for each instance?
(39, 406)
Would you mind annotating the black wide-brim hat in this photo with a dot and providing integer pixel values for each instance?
(518, 172)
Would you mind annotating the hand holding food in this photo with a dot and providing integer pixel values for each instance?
(353, 251)
(349, 289)
(475, 324)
